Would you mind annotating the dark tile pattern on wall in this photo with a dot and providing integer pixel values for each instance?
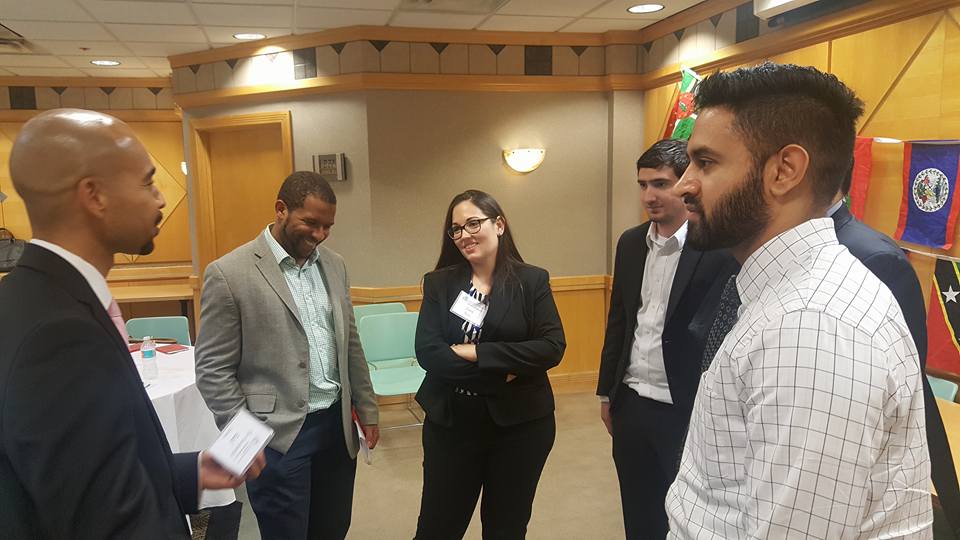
(578, 49)
(748, 25)
(23, 97)
(538, 60)
(305, 63)
(439, 47)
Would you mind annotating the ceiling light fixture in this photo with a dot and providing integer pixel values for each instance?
(249, 36)
(105, 62)
(644, 8)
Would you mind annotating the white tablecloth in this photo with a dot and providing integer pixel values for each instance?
(186, 421)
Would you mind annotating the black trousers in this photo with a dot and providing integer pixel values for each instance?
(505, 461)
(648, 438)
(307, 492)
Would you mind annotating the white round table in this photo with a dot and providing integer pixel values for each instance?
(186, 421)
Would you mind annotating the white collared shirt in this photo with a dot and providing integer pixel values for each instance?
(646, 374)
(93, 276)
(810, 420)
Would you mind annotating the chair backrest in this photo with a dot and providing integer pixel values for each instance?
(388, 336)
(360, 312)
(943, 389)
(166, 327)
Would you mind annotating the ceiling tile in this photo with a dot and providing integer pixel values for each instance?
(358, 4)
(571, 8)
(46, 72)
(436, 20)
(94, 48)
(158, 32)
(520, 23)
(260, 2)
(617, 9)
(230, 15)
(112, 72)
(156, 62)
(311, 17)
(59, 30)
(224, 34)
(115, 11)
(603, 25)
(83, 62)
(42, 10)
(30, 60)
(164, 49)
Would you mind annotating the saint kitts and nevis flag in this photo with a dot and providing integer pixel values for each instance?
(928, 209)
(943, 318)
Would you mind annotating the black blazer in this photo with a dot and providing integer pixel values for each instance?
(882, 256)
(82, 453)
(522, 334)
(691, 308)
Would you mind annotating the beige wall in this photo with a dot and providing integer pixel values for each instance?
(410, 152)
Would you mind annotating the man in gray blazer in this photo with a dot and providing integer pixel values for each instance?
(277, 337)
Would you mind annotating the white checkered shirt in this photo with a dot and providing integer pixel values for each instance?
(809, 423)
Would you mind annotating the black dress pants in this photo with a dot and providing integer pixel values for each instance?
(474, 454)
(648, 439)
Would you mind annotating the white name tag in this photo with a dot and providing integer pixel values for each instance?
(469, 309)
(240, 442)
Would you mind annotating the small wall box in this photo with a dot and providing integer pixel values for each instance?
(332, 167)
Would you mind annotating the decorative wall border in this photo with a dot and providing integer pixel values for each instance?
(520, 62)
(103, 94)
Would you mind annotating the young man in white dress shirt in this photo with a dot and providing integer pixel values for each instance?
(809, 421)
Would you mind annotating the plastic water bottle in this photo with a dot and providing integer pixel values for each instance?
(148, 354)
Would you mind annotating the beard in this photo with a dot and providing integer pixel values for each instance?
(146, 249)
(738, 216)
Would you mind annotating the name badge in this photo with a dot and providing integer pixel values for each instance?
(469, 309)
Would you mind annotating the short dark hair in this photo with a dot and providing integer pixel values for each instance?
(779, 104)
(299, 184)
(666, 153)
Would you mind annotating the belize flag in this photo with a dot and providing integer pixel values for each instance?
(928, 210)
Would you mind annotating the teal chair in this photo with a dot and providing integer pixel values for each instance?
(360, 312)
(387, 340)
(177, 328)
(943, 389)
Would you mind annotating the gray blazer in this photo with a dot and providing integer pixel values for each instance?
(252, 350)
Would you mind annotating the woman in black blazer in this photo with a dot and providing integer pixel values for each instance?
(488, 401)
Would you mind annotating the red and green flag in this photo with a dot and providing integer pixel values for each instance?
(860, 183)
(682, 117)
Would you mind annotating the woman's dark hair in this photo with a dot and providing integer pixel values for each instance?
(508, 258)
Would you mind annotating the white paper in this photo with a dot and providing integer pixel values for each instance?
(469, 309)
(240, 442)
(365, 450)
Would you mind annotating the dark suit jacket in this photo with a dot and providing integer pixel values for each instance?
(82, 453)
(886, 260)
(694, 299)
(522, 334)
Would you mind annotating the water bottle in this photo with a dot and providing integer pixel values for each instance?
(148, 354)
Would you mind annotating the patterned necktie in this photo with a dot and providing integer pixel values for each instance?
(114, 311)
(723, 323)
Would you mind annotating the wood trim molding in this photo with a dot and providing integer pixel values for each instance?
(127, 115)
(88, 82)
(380, 295)
(202, 181)
(857, 19)
(139, 272)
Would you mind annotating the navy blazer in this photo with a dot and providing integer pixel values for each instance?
(691, 308)
(82, 452)
(882, 256)
(522, 335)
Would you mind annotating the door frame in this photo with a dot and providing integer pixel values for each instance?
(202, 179)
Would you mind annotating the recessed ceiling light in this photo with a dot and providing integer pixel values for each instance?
(105, 62)
(645, 8)
(248, 36)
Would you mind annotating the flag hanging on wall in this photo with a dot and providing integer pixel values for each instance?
(928, 209)
(860, 183)
(943, 318)
(680, 122)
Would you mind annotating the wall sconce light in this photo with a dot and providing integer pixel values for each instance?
(524, 160)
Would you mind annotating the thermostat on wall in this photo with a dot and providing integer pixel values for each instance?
(332, 167)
